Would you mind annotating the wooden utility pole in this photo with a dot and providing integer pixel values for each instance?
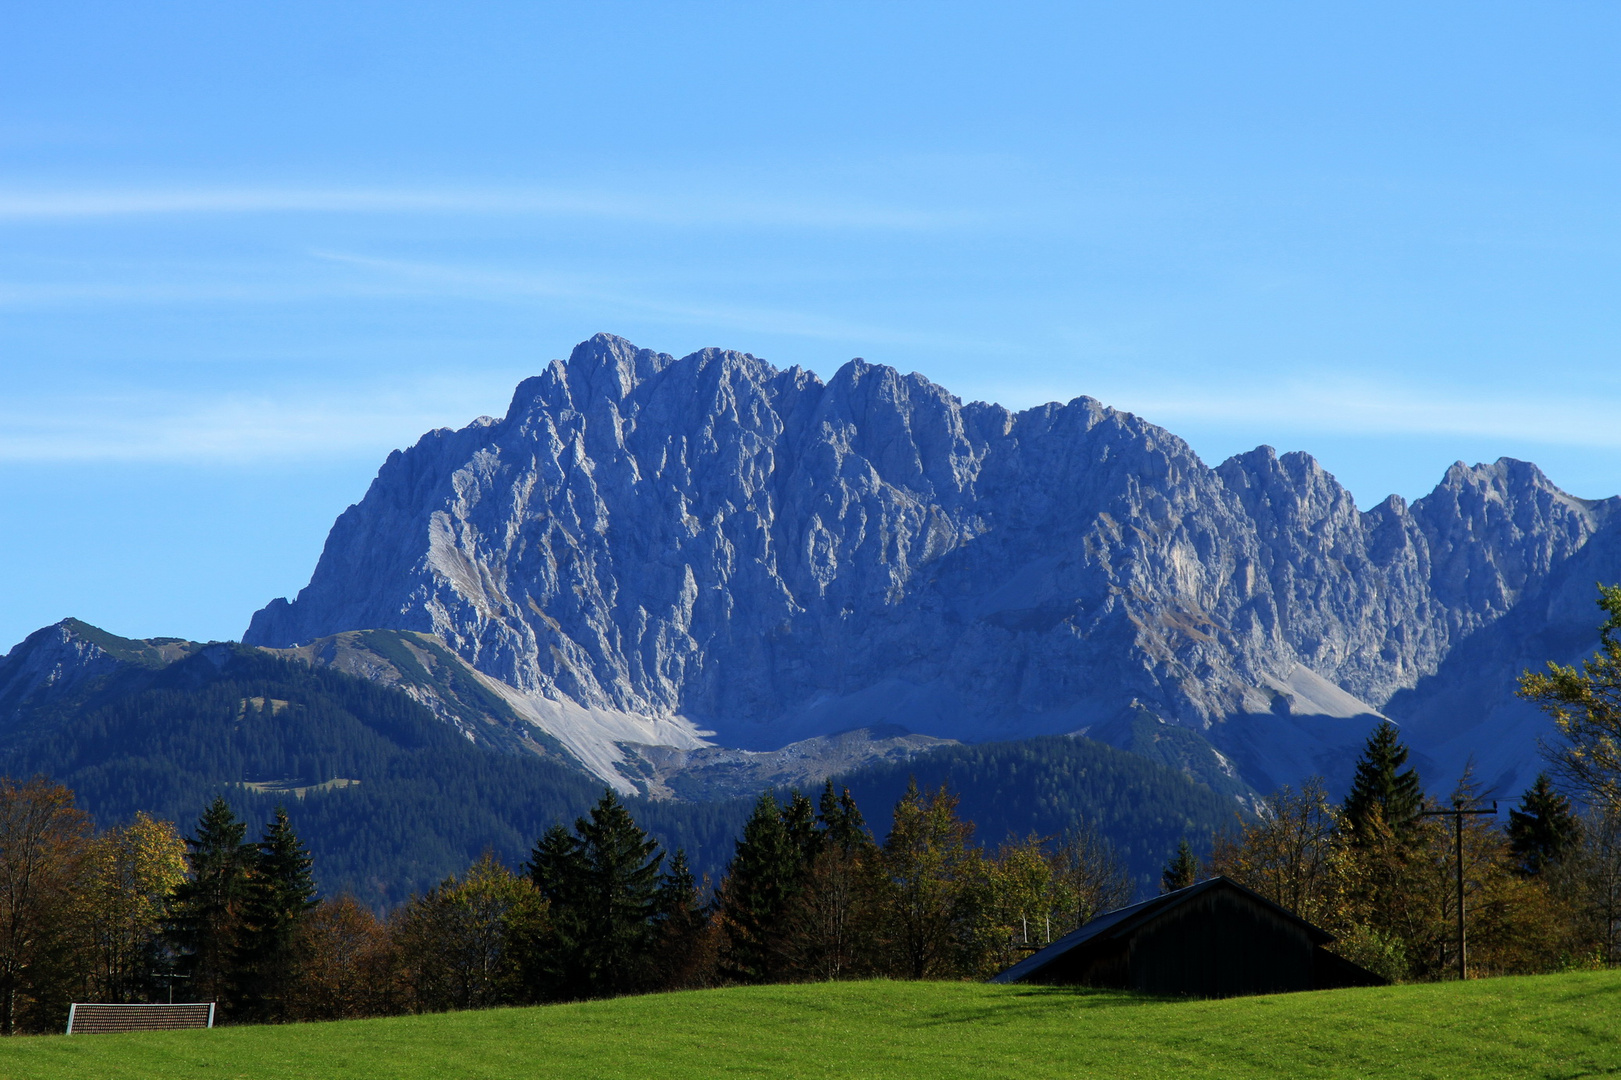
(1457, 814)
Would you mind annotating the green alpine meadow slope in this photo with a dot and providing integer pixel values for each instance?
(1541, 1026)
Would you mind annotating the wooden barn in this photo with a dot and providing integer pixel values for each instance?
(1213, 939)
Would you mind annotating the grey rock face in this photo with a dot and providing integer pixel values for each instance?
(57, 659)
(1466, 715)
(712, 546)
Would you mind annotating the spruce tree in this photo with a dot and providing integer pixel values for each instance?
(842, 824)
(799, 819)
(758, 887)
(555, 867)
(557, 870)
(281, 893)
(1543, 830)
(1381, 782)
(1181, 871)
(621, 866)
(679, 923)
(602, 883)
(207, 909)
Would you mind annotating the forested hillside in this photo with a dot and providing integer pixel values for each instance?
(391, 798)
(1051, 786)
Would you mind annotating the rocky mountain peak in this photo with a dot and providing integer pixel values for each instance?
(710, 548)
(64, 656)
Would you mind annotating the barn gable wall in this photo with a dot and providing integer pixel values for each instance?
(1220, 944)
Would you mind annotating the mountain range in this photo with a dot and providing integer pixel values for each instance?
(693, 579)
(653, 561)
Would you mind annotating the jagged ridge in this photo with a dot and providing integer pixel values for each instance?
(666, 549)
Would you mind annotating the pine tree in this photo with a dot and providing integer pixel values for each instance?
(828, 928)
(556, 868)
(601, 883)
(206, 914)
(758, 887)
(1543, 830)
(281, 893)
(621, 866)
(1181, 871)
(679, 923)
(799, 820)
(557, 871)
(841, 821)
(1380, 781)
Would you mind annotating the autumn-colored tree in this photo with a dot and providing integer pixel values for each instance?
(1589, 879)
(1511, 922)
(1090, 879)
(1033, 892)
(1395, 901)
(1287, 854)
(351, 965)
(44, 866)
(463, 944)
(930, 876)
(133, 869)
(1017, 899)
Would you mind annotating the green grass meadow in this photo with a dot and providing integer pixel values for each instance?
(1561, 1026)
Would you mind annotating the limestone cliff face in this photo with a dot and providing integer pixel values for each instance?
(712, 546)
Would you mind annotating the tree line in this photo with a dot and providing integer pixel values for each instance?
(140, 913)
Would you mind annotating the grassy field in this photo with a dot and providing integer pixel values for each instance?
(1550, 1026)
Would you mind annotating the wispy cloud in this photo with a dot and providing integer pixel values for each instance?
(479, 282)
(698, 207)
(1367, 407)
(239, 428)
(327, 275)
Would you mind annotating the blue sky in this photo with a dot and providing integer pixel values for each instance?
(246, 250)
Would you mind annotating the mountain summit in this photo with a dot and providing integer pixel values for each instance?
(654, 551)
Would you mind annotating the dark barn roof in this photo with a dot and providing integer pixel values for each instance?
(1213, 939)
